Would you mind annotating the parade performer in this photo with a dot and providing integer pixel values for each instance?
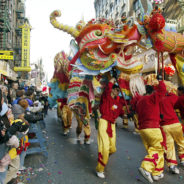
(133, 103)
(180, 102)
(148, 112)
(110, 109)
(87, 130)
(173, 131)
(66, 115)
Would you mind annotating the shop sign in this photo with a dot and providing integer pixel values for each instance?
(25, 45)
(6, 54)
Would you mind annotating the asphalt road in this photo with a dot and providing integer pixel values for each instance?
(72, 162)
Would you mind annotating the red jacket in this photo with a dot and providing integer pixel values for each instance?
(110, 108)
(148, 109)
(167, 110)
(180, 105)
(134, 101)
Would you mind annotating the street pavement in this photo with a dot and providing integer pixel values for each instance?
(72, 162)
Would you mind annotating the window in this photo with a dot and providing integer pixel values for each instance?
(117, 14)
(123, 7)
(136, 5)
(106, 14)
(111, 8)
(123, 14)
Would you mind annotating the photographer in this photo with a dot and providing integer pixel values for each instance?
(31, 117)
(29, 96)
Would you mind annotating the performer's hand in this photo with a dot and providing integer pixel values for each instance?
(112, 80)
(3, 133)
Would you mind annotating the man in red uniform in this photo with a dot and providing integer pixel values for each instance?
(133, 103)
(172, 129)
(180, 102)
(110, 109)
(148, 112)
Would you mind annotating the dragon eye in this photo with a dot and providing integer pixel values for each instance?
(98, 33)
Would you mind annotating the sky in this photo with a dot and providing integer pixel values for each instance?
(46, 41)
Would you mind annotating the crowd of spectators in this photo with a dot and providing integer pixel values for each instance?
(19, 107)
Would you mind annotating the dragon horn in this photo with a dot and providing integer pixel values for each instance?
(150, 7)
(70, 30)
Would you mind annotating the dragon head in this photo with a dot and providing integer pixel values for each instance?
(101, 45)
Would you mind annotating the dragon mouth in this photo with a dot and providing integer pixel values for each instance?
(126, 60)
(100, 55)
(91, 44)
(132, 63)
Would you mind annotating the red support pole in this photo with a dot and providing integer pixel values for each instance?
(128, 110)
(158, 71)
(162, 66)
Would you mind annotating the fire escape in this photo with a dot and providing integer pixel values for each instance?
(4, 24)
(20, 21)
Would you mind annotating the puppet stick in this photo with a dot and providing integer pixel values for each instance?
(121, 92)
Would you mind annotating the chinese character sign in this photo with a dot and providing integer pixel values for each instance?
(25, 46)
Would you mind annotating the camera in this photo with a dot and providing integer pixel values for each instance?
(33, 117)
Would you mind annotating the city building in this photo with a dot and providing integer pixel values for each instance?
(37, 76)
(131, 9)
(12, 39)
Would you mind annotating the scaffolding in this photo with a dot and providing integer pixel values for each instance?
(4, 24)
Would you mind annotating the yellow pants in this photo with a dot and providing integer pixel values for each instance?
(125, 119)
(154, 161)
(136, 122)
(66, 115)
(106, 144)
(80, 126)
(174, 133)
(58, 110)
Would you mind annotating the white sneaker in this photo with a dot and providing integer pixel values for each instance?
(146, 174)
(66, 132)
(78, 138)
(87, 142)
(100, 174)
(174, 170)
(158, 177)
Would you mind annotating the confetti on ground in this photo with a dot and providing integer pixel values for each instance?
(26, 175)
(49, 174)
(59, 172)
(40, 169)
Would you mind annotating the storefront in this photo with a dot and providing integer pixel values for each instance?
(6, 72)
